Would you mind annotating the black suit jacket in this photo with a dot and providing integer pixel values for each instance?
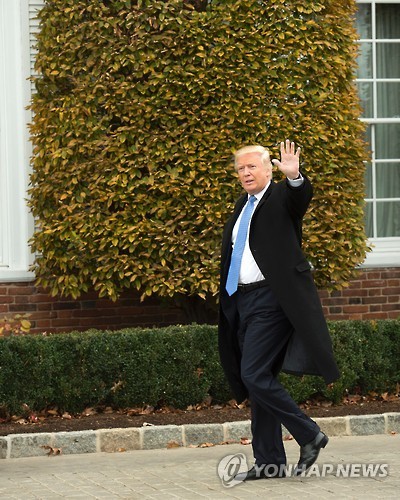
(275, 242)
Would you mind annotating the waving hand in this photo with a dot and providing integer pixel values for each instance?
(289, 163)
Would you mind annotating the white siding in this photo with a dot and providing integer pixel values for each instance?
(34, 7)
(16, 223)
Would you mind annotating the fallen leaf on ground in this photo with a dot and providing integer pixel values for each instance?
(245, 441)
(173, 444)
(89, 411)
(147, 410)
(52, 451)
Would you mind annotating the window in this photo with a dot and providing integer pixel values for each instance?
(15, 221)
(378, 80)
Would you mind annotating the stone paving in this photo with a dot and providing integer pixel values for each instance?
(191, 473)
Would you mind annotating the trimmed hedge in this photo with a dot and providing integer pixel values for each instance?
(176, 366)
(139, 106)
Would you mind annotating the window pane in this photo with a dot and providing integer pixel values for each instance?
(388, 100)
(369, 226)
(388, 219)
(388, 20)
(387, 136)
(388, 180)
(366, 98)
(364, 61)
(363, 21)
(368, 133)
(388, 60)
(368, 180)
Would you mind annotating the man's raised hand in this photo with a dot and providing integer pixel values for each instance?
(289, 163)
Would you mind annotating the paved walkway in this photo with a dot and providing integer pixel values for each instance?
(191, 473)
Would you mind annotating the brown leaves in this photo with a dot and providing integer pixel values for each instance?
(147, 410)
(245, 441)
(87, 412)
(52, 450)
(15, 326)
(353, 399)
(173, 444)
(28, 416)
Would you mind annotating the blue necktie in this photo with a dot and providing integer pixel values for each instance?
(237, 253)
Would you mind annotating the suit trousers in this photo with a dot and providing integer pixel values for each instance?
(263, 334)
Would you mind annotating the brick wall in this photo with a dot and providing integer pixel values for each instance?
(50, 314)
(373, 294)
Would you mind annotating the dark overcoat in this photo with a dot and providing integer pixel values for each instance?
(275, 242)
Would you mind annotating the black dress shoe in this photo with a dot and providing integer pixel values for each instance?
(309, 453)
(261, 472)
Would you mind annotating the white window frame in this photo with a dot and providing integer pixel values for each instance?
(16, 222)
(385, 251)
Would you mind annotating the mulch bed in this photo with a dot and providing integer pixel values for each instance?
(107, 418)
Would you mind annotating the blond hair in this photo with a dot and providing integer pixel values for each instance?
(264, 153)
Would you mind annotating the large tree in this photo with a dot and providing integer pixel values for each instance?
(138, 109)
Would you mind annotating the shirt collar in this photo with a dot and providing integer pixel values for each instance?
(261, 193)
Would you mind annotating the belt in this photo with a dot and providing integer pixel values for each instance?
(248, 287)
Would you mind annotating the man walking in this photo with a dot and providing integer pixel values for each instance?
(270, 313)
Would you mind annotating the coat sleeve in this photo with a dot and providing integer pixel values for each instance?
(298, 198)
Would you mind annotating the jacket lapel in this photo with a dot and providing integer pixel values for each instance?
(265, 197)
(236, 212)
(226, 242)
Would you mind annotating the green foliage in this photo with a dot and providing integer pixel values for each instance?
(381, 364)
(173, 365)
(176, 366)
(139, 106)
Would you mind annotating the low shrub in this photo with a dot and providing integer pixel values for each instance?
(176, 366)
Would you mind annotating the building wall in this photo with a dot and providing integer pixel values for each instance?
(51, 315)
(373, 294)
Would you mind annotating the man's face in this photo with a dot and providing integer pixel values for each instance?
(253, 175)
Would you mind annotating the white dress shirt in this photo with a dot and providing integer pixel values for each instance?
(249, 271)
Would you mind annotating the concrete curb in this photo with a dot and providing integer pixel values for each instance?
(157, 437)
